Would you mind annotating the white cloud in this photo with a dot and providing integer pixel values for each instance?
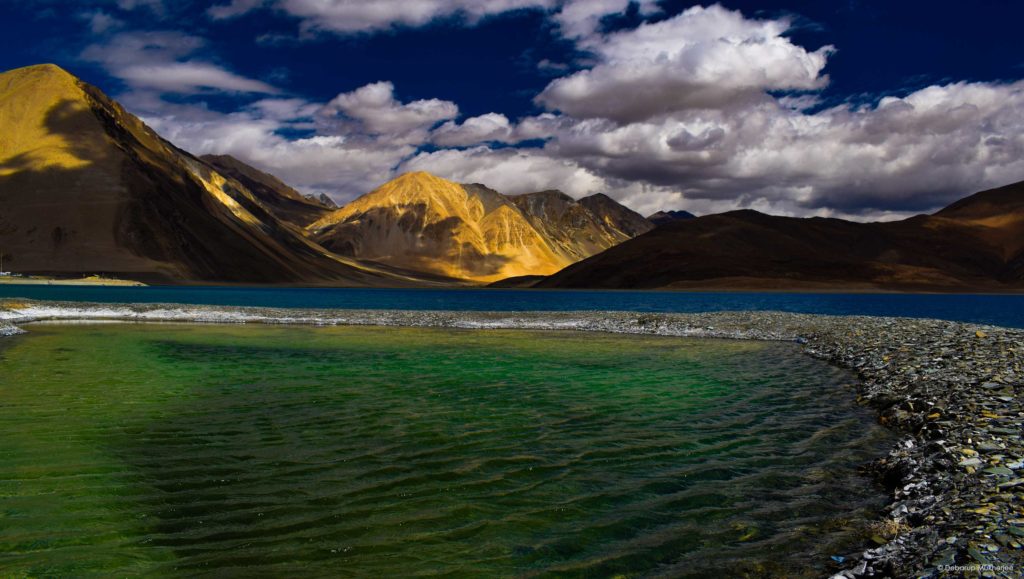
(575, 18)
(907, 154)
(156, 6)
(356, 142)
(374, 110)
(701, 58)
(139, 47)
(582, 18)
(189, 78)
(911, 153)
(234, 9)
(285, 109)
(100, 22)
(342, 166)
(158, 61)
(508, 170)
(491, 127)
(353, 16)
(551, 67)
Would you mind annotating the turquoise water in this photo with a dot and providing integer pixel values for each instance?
(182, 451)
(1003, 310)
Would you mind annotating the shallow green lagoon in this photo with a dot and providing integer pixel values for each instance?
(165, 450)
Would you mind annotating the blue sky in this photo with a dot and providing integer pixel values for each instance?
(856, 109)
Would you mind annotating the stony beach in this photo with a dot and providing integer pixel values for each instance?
(952, 390)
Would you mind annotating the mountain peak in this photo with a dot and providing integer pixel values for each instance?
(45, 81)
(47, 121)
(409, 186)
(45, 67)
(408, 189)
(417, 178)
(548, 194)
(662, 217)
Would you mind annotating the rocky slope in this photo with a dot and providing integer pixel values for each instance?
(975, 244)
(422, 222)
(286, 203)
(86, 187)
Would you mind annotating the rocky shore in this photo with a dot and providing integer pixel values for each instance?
(953, 390)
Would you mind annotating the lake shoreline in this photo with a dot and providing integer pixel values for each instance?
(952, 390)
(89, 281)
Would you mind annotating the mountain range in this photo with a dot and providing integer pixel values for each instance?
(86, 187)
(974, 244)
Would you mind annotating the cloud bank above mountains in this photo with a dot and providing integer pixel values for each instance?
(709, 109)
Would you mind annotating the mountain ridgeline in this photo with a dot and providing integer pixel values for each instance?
(976, 244)
(663, 217)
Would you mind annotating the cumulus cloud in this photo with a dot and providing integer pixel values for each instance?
(702, 58)
(582, 18)
(374, 110)
(158, 60)
(343, 166)
(491, 127)
(905, 154)
(356, 140)
(508, 170)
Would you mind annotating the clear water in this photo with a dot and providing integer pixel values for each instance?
(165, 450)
(1003, 310)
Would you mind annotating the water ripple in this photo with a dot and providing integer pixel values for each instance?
(214, 451)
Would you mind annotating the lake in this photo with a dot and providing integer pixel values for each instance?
(1003, 310)
(183, 451)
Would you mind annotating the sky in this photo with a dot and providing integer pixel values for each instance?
(847, 108)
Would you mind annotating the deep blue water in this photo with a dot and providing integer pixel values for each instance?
(1003, 310)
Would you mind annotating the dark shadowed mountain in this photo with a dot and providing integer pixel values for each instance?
(581, 228)
(663, 217)
(86, 187)
(323, 199)
(974, 244)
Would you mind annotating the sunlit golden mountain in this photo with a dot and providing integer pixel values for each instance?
(423, 222)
